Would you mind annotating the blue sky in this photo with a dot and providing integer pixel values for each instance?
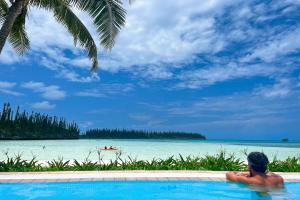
(227, 69)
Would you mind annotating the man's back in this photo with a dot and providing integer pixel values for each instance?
(269, 179)
(257, 175)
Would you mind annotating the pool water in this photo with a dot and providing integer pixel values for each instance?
(144, 190)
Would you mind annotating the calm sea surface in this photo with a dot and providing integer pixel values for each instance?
(142, 149)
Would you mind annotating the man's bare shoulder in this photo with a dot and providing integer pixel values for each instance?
(275, 178)
(269, 179)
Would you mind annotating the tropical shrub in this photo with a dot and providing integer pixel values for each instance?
(218, 162)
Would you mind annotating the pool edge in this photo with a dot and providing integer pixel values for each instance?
(78, 176)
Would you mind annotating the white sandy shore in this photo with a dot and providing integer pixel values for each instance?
(141, 149)
(16, 177)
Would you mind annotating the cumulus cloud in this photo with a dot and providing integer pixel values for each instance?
(161, 37)
(51, 92)
(157, 39)
(150, 39)
(44, 105)
(52, 50)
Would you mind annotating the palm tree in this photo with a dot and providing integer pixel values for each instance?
(108, 18)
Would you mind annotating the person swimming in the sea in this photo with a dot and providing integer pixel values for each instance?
(257, 175)
(111, 148)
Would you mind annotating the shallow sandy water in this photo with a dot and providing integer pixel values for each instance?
(141, 149)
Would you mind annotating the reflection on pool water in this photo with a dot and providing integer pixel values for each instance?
(126, 190)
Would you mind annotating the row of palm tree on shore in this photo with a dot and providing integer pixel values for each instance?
(108, 18)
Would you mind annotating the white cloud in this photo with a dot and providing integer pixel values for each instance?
(282, 88)
(40, 26)
(243, 113)
(105, 90)
(7, 88)
(161, 36)
(148, 38)
(10, 92)
(277, 46)
(90, 93)
(75, 77)
(51, 92)
(209, 76)
(44, 105)
(154, 72)
(8, 56)
(155, 39)
(5, 84)
(68, 73)
(52, 50)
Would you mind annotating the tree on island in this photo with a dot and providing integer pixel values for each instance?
(20, 125)
(139, 134)
(23, 125)
(108, 18)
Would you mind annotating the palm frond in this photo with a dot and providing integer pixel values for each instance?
(48, 4)
(110, 22)
(108, 16)
(3, 10)
(18, 36)
(67, 18)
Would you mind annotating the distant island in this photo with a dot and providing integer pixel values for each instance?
(20, 125)
(138, 134)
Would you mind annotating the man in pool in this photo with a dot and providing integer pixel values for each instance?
(257, 175)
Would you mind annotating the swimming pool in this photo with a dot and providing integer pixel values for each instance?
(134, 190)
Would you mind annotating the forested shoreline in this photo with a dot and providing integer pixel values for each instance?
(21, 125)
(24, 126)
(138, 134)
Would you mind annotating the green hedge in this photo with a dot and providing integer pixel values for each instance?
(218, 162)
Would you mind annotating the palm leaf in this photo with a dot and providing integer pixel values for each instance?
(3, 10)
(108, 16)
(67, 18)
(110, 22)
(18, 37)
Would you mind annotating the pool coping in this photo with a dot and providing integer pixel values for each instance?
(134, 175)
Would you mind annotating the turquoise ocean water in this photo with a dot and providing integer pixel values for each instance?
(143, 149)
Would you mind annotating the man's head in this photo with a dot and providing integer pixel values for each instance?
(258, 162)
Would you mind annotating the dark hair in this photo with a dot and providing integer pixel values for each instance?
(258, 161)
